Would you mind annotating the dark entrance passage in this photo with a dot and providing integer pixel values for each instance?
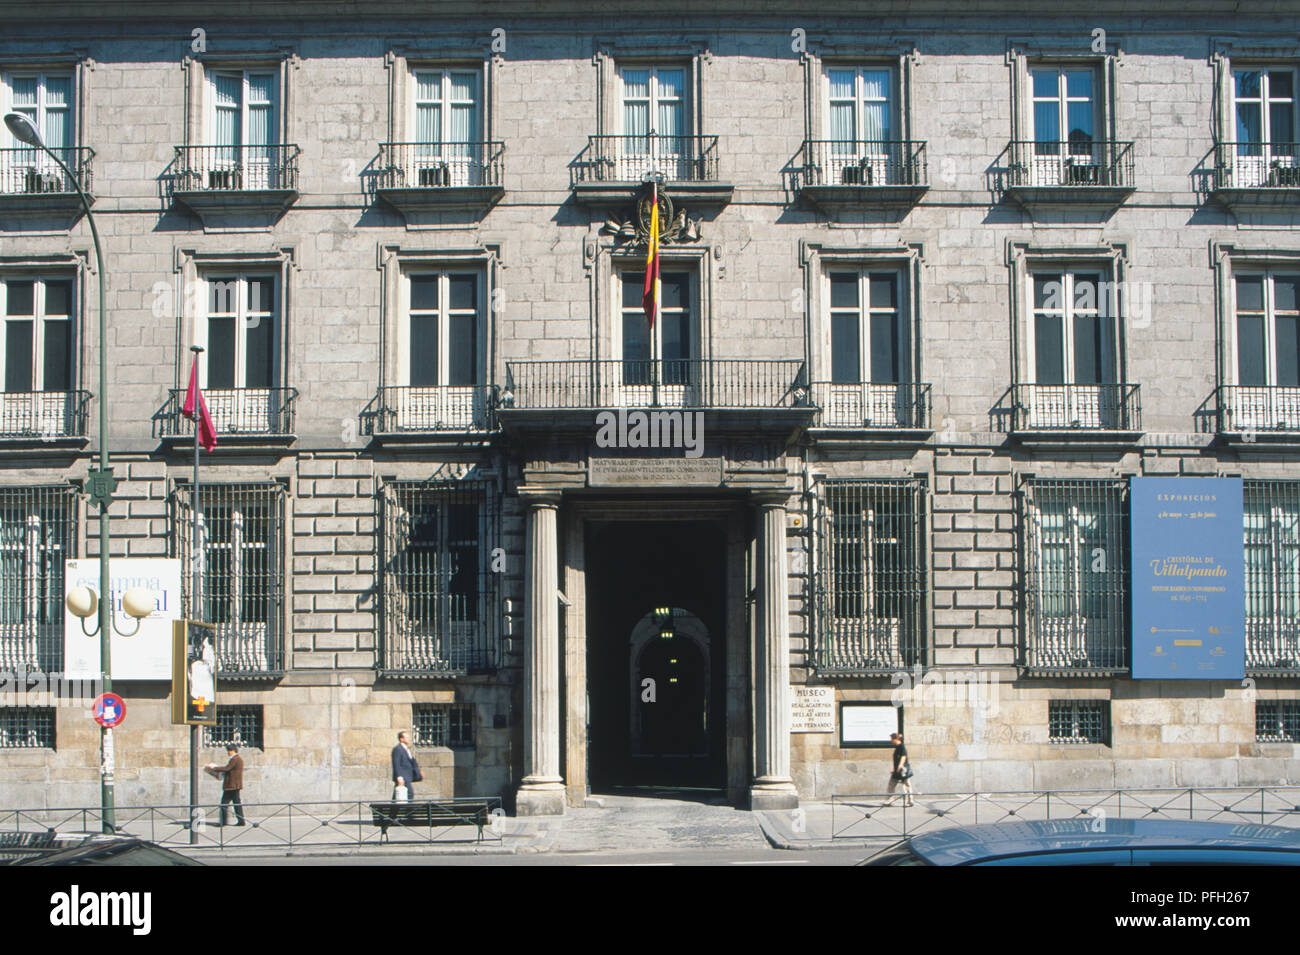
(656, 611)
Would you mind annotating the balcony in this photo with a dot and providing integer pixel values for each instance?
(419, 178)
(44, 417)
(611, 169)
(1110, 414)
(1268, 414)
(219, 183)
(1257, 176)
(439, 412)
(246, 416)
(842, 174)
(1096, 173)
(744, 394)
(30, 181)
(898, 411)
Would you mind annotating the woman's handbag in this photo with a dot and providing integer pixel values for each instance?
(905, 772)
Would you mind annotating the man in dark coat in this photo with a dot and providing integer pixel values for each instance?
(232, 782)
(405, 769)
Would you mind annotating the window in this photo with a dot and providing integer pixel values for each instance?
(240, 371)
(655, 130)
(1078, 721)
(1277, 721)
(38, 532)
(1268, 351)
(661, 360)
(26, 727)
(870, 351)
(47, 100)
(37, 336)
(442, 346)
(240, 562)
(1065, 117)
(440, 603)
(1072, 347)
(448, 123)
(244, 122)
(444, 724)
(1076, 591)
(1264, 110)
(1272, 530)
(240, 725)
(860, 123)
(871, 577)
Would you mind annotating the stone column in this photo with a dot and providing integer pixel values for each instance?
(772, 787)
(542, 789)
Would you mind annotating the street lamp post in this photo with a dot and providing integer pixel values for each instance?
(101, 482)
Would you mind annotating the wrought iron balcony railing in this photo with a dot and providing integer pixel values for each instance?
(1266, 408)
(31, 172)
(903, 405)
(630, 158)
(1243, 165)
(423, 408)
(251, 412)
(236, 168)
(1075, 408)
(440, 165)
(830, 162)
(1072, 165)
(693, 383)
(43, 415)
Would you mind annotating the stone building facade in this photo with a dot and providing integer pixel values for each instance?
(938, 288)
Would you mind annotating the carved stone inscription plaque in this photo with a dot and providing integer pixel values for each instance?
(654, 472)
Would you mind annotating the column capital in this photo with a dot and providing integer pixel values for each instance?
(770, 498)
(539, 496)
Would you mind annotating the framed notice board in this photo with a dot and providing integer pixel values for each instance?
(867, 724)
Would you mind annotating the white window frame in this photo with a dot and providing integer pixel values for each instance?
(38, 318)
(244, 105)
(32, 161)
(1269, 405)
(241, 407)
(633, 393)
(868, 403)
(441, 406)
(866, 166)
(447, 161)
(1265, 99)
(1258, 169)
(672, 163)
(1064, 166)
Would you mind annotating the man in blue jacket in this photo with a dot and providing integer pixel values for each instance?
(405, 769)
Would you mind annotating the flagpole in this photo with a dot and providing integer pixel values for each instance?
(196, 569)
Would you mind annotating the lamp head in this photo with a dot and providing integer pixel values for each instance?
(138, 602)
(23, 129)
(82, 601)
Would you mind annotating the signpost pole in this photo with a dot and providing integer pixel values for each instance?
(195, 589)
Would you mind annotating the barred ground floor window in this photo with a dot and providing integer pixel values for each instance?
(38, 532)
(443, 724)
(1277, 721)
(1078, 721)
(870, 578)
(238, 725)
(233, 571)
(26, 727)
(1272, 532)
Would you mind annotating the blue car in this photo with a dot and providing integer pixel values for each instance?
(1098, 841)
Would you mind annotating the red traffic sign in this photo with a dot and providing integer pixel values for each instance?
(109, 710)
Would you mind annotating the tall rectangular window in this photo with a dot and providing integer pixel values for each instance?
(871, 576)
(38, 532)
(1072, 364)
(655, 124)
(448, 123)
(860, 121)
(240, 328)
(1066, 116)
(36, 347)
(244, 124)
(1076, 577)
(238, 568)
(1264, 107)
(1267, 343)
(440, 604)
(668, 352)
(47, 100)
(870, 351)
(1272, 541)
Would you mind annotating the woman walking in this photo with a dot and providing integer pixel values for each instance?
(902, 774)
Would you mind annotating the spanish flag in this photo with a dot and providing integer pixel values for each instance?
(651, 293)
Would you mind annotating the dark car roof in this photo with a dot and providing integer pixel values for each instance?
(962, 844)
(85, 849)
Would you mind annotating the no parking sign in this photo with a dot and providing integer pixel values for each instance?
(108, 710)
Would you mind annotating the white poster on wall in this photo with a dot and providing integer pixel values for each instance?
(147, 653)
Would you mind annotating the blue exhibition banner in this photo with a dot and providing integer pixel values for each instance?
(1189, 610)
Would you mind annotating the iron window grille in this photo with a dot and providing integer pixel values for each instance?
(238, 565)
(444, 724)
(441, 612)
(870, 580)
(1272, 538)
(1078, 721)
(240, 725)
(1277, 721)
(27, 727)
(1076, 573)
(38, 532)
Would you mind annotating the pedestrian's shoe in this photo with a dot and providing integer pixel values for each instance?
(240, 823)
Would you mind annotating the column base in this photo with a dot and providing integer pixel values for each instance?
(773, 794)
(540, 799)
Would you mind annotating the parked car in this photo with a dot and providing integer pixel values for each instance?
(1098, 841)
(53, 848)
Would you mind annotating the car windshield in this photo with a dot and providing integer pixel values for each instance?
(900, 853)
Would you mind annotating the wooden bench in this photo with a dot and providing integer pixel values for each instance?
(433, 812)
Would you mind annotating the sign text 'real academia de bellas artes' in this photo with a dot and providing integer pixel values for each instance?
(1188, 588)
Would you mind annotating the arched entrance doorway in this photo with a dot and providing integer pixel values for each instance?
(670, 686)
